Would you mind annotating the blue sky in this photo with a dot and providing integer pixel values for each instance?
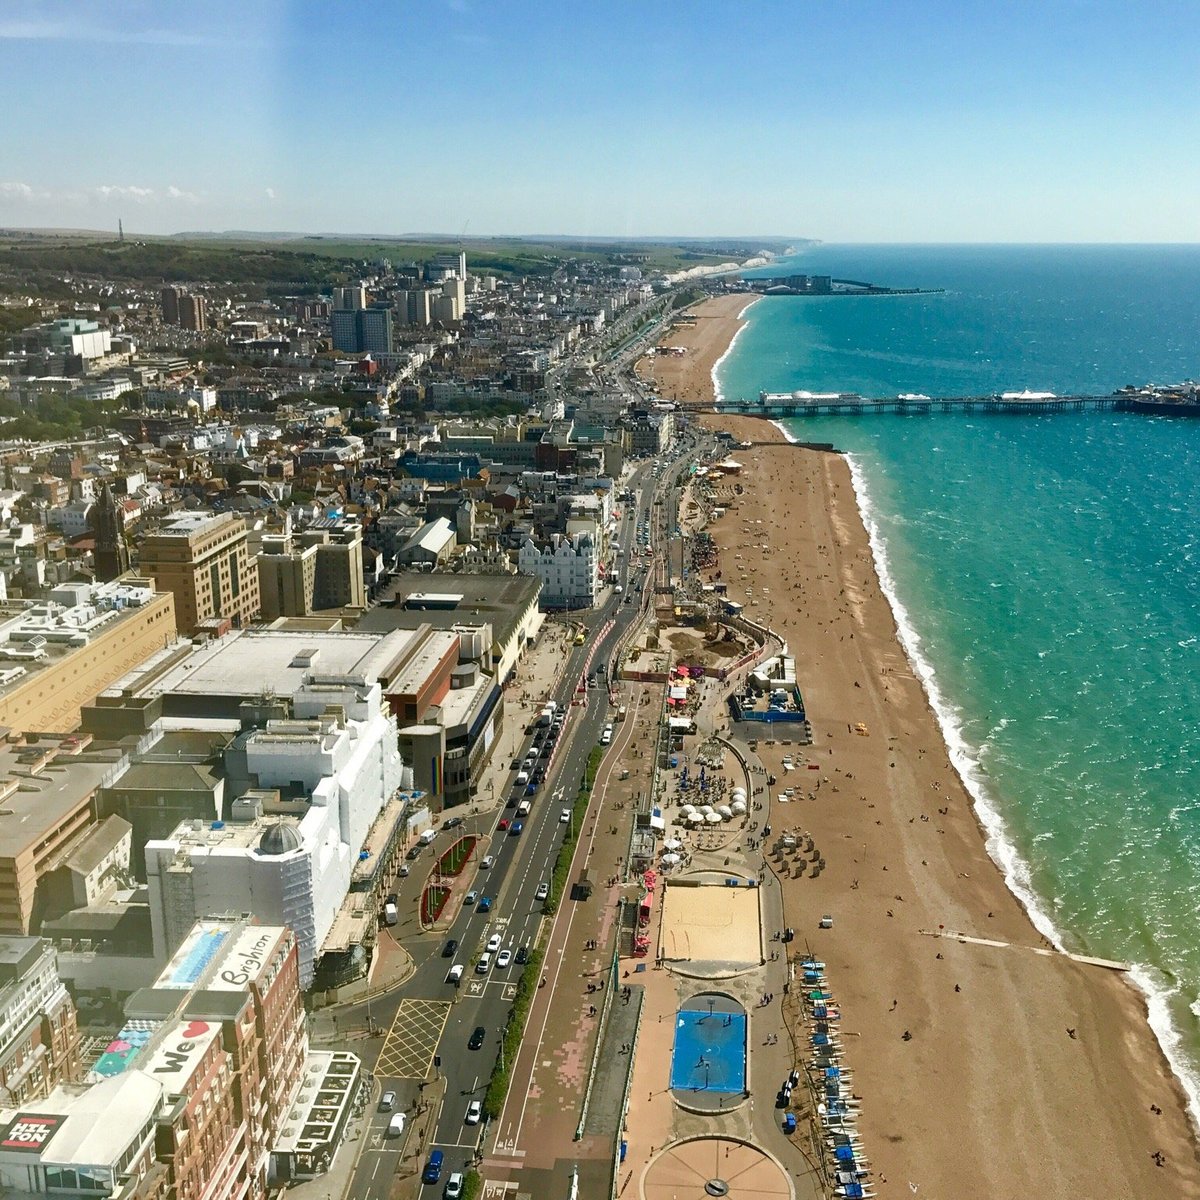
(839, 120)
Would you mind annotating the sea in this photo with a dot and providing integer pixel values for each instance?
(1044, 571)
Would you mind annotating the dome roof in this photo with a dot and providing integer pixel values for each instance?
(279, 838)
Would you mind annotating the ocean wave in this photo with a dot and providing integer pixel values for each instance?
(715, 373)
(963, 755)
(965, 758)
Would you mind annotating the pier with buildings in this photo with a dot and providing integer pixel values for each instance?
(1180, 399)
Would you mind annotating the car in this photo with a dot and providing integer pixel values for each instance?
(511, 802)
(476, 1039)
(606, 737)
(484, 965)
(516, 764)
(449, 948)
(470, 897)
(404, 870)
(493, 943)
(433, 1168)
(390, 898)
(454, 1187)
(539, 776)
(387, 1101)
(396, 1125)
(543, 890)
(564, 816)
(488, 861)
(522, 956)
(531, 790)
(503, 824)
(474, 1113)
(503, 959)
(547, 749)
(484, 905)
(515, 829)
(453, 823)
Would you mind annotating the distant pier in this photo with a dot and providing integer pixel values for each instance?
(802, 404)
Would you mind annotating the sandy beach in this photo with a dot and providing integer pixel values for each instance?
(1024, 1071)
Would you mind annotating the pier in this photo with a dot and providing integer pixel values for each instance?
(777, 405)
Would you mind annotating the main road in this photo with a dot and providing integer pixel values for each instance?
(427, 1026)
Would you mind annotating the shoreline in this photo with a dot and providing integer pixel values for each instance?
(1022, 1096)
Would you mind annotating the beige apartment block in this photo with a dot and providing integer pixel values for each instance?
(203, 560)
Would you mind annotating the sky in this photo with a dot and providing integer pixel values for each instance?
(840, 120)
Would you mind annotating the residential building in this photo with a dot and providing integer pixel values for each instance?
(169, 298)
(193, 313)
(362, 330)
(568, 567)
(39, 1034)
(202, 559)
(319, 568)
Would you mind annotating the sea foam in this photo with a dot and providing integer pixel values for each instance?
(715, 373)
(965, 759)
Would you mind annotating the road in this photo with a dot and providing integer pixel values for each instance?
(431, 1019)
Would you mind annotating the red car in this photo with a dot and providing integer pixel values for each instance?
(503, 824)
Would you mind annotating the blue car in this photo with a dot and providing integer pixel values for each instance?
(515, 829)
(484, 905)
(531, 789)
(433, 1168)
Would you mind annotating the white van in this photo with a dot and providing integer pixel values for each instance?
(484, 965)
(456, 974)
(522, 777)
(523, 808)
(427, 837)
(396, 1125)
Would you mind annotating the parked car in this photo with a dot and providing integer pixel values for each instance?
(484, 965)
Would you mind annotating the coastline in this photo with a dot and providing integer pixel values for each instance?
(991, 1087)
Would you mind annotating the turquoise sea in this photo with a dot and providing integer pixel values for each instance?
(1045, 571)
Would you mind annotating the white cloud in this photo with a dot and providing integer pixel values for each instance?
(69, 29)
(104, 193)
(17, 191)
(270, 193)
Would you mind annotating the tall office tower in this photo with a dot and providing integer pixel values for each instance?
(420, 308)
(456, 290)
(350, 297)
(169, 296)
(193, 313)
(343, 325)
(453, 262)
(375, 329)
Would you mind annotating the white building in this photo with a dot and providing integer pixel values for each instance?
(287, 851)
(569, 568)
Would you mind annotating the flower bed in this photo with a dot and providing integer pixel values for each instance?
(433, 900)
(453, 860)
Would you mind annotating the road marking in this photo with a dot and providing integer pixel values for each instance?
(412, 1041)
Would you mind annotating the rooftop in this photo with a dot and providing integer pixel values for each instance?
(43, 788)
(249, 663)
